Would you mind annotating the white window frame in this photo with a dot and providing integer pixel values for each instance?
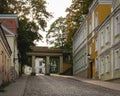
(90, 27)
(96, 44)
(117, 59)
(93, 21)
(102, 67)
(117, 25)
(107, 63)
(40, 63)
(107, 34)
(96, 19)
(102, 38)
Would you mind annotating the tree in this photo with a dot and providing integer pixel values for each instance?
(56, 34)
(32, 16)
(27, 33)
(75, 16)
(33, 10)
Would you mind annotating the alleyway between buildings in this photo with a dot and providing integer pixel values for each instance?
(42, 85)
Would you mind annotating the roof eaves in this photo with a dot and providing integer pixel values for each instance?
(7, 30)
(8, 16)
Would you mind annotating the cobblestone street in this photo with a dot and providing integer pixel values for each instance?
(61, 86)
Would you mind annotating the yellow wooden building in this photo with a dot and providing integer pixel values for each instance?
(98, 12)
(109, 45)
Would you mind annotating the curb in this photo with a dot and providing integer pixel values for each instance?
(105, 84)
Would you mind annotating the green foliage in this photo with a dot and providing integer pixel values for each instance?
(27, 33)
(75, 16)
(56, 34)
(32, 16)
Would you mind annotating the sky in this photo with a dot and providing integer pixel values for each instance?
(57, 8)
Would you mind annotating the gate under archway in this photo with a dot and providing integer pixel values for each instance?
(47, 53)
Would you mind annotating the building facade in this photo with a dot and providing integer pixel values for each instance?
(80, 64)
(10, 25)
(5, 58)
(98, 12)
(109, 41)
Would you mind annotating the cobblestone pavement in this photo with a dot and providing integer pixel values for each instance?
(61, 86)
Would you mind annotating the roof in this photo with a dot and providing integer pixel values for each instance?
(9, 16)
(5, 42)
(7, 31)
(45, 51)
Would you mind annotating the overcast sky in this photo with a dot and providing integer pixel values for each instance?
(57, 7)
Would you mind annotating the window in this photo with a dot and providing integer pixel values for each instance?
(117, 25)
(97, 65)
(117, 59)
(96, 19)
(107, 34)
(40, 63)
(102, 67)
(90, 27)
(102, 39)
(107, 63)
(90, 50)
(96, 44)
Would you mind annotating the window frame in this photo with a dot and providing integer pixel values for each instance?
(90, 27)
(107, 64)
(117, 59)
(97, 65)
(117, 25)
(102, 67)
(96, 19)
(102, 38)
(40, 63)
(107, 34)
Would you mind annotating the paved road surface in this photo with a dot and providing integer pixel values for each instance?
(61, 86)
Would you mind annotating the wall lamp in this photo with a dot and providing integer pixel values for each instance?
(89, 58)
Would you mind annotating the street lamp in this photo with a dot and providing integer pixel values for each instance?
(88, 56)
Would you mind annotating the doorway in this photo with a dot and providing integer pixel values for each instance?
(91, 70)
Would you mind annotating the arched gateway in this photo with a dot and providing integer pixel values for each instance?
(47, 53)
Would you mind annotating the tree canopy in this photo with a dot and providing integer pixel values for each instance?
(56, 34)
(32, 16)
(76, 13)
(75, 16)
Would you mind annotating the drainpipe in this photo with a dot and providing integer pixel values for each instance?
(14, 58)
(2, 85)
